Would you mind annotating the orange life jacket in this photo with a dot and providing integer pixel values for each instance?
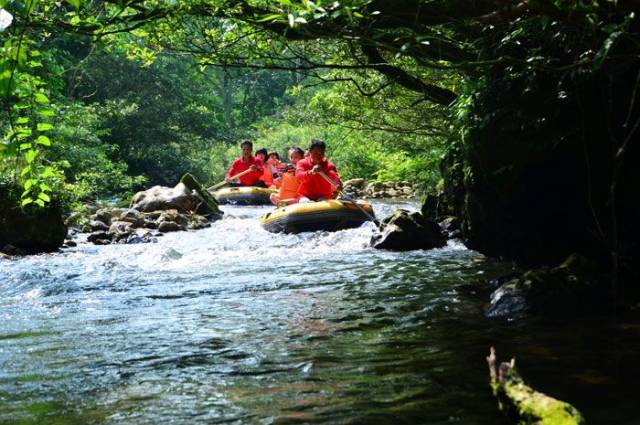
(267, 175)
(289, 187)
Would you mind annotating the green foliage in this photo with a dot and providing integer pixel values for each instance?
(85, 165)
(368, 138)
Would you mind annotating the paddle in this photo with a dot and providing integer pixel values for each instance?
(349, 198)
(224, 183)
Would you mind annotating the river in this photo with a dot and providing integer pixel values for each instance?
(232, 324)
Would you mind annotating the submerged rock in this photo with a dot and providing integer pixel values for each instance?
(573, 287)
(136, 238)
(405, 231)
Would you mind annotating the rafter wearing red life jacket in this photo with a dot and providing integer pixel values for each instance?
(240, 165)
(313, 185)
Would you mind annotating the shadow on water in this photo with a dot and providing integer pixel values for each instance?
(235, 325)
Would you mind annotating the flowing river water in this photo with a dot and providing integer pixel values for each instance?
(232, 324)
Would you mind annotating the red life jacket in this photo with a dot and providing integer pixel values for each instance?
(239, 165)
(314, 186)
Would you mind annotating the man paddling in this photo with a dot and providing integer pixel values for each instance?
(246, 162)
(313, 186)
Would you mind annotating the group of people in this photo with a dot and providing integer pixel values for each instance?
(309, 176)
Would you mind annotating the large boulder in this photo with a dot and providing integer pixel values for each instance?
(164, 198)
(32, 229)
(405, 231)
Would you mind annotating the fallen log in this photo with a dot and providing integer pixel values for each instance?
(208, 201)
(524, 404)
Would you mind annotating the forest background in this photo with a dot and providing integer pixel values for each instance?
(103, 118)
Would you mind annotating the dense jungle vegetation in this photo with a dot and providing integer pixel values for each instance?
(91, 119)
(527, 110)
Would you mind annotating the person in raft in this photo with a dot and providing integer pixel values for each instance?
(272, 170)
(246, 162)
(289, 183)
(313, 185)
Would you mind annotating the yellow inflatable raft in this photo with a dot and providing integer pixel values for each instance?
(323, 215)
(244, 195)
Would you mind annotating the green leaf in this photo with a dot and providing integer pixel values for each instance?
(43, 140)
(41, 98)
(22, 120)
(75, 3)
(31, 155)
(75, 20)
(40, 202)
(31, 5)
(26, 201)
(28, 184)
(270, 17)
(45, 187)
(25, 146)
(44, 126)
(292, 20)
(48, 172)
(46, 112)
(44, 197)
(25, 170)
(602, 54)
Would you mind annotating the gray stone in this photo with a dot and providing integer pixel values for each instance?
(149, 224)
(120, 227)
(404, 231)
(174, 216)
(170, 226)
(164, 198)
(103, 215)
(97, 225)
(99, 236)
(132, 216)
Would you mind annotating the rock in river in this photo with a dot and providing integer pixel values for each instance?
(405, 231)
(164, 198)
